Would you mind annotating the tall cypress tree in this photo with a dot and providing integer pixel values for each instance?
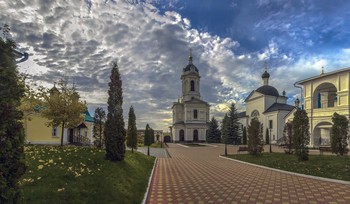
(114, 128)
(147, 138)
(255, 137)
(213, 132)
(267, 136)
(301, 135)
(131, 140)
(151, 134)
(12, 165)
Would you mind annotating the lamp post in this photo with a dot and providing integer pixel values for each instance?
(270, 140)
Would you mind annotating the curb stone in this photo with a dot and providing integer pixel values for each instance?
(149, 182)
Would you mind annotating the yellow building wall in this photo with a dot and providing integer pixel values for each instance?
(37, 132)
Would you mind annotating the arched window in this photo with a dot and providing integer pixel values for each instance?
(255, 114)
(192, 85)
(195, 114)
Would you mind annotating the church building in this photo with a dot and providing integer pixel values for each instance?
(190, 112)
(266, 104)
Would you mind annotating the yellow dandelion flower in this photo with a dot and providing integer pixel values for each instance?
(40, 167)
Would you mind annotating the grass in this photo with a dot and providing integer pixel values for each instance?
(194, 145)
(82, 175)
(328, 166)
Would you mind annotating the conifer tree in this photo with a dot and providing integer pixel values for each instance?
(287, 136)
(233, 128)
(301, 135)
(225, 132)
(12, 165)
(213, 132)
(244, 136)
(267, 136)
(114, 127)
(255, 137)
(339, 134)
(131, 140)
(98, 130)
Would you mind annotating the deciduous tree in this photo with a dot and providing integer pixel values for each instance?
(62, 106)
(213, 132)
(255, 137)
(339, 134)
(98, 130)
(301, 135)
(114, 128)
(131, 133)
(12, 165)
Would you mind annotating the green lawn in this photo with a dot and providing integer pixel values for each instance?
(328, 166)
(82, 175)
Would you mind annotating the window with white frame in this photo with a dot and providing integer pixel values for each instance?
(54, 132)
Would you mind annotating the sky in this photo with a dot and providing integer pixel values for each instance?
(150, 39)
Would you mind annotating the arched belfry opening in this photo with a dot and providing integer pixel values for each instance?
(325, 96)
(192, 86)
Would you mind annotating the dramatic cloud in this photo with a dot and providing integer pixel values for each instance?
(150, 40)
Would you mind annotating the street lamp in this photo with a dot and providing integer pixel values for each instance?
(270, 127)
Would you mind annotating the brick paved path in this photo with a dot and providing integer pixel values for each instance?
(198, 175)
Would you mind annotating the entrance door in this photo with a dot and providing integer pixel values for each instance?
(71, 135)
(182, 135)
(195, 135)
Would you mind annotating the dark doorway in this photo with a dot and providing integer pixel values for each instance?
(182, 135)
(195, 135)
(71, 135)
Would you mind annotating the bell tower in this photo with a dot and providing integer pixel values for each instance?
(190, 81)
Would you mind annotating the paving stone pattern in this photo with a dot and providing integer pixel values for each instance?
(198, 175)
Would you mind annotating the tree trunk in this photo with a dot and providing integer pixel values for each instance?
(225, 149)
(148, 151)
(132, 150)
(62, 133)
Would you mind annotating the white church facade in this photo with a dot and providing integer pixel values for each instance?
(266, 104)
(190, 112)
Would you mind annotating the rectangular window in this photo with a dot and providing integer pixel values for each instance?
(270, 124)
(195, 114)
(86, 133)
(54, 132)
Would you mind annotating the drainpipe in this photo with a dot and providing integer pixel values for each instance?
(301, 94)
